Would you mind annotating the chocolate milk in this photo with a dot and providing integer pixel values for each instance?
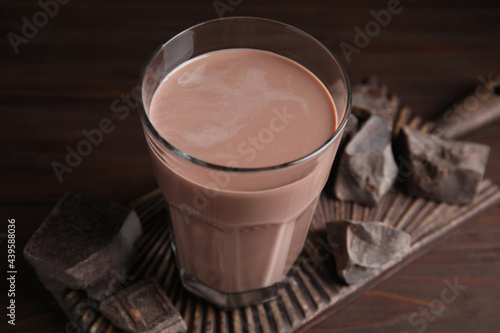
(238, 229)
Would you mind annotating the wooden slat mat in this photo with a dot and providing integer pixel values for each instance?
(311, 289)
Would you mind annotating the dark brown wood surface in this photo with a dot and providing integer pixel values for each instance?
(66, 78)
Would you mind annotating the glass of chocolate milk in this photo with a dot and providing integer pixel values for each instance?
(243, 117)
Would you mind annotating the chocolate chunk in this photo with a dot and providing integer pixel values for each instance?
(371, 98)
(448, 171)
(353, 274)
(360, 248)
(114, 282)
(351, 127)
(143, 307)
(84, 242)
(367, 168)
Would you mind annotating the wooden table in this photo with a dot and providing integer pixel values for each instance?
(66, 77)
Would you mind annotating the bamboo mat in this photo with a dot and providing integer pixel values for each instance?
(311, 289)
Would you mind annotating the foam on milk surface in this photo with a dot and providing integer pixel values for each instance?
(247, 106)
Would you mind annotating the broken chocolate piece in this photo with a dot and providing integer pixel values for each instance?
(480, 107)
(352, 125)
(353, 274)
(114, 282)
(440, 170)
(84, 241)
(143, 307)
(367, 168)
(371, 98)
(360, 248)
(351, 128)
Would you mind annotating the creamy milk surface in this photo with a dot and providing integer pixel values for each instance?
(246, 107)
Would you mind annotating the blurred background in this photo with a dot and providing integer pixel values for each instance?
(66, 65)
(65, 78)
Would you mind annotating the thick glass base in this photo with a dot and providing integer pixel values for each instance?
(228, 301)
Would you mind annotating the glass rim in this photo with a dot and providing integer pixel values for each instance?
(338, 131)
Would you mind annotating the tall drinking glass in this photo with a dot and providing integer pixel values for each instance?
(237, 231)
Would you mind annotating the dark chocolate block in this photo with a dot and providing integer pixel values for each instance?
(114, 282)
(371, 98)
(144, 308)
(84, 242)
(367, 168)
(448, 171)
(360, 247)
(351, 127)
